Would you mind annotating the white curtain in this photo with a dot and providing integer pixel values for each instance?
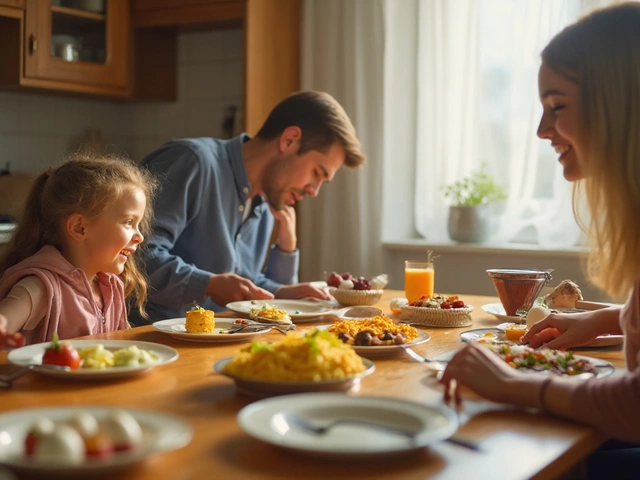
(435, 88)
(342, 53)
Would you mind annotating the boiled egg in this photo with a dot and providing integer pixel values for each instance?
(123, 429)
(62, 446)
(536, 314)
(85, 424)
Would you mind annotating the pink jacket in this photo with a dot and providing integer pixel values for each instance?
(72, 311)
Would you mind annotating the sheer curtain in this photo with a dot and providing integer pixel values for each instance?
(342, 53)
(435, 88)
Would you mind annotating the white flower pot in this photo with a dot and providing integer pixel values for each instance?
(471, 224)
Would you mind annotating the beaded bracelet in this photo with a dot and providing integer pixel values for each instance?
(541, 392)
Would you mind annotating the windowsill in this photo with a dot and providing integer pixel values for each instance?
(419, 244)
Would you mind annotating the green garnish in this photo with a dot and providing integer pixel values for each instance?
(257, 347)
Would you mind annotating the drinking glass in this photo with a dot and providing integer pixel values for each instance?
(418, 279)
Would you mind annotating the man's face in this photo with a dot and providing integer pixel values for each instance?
(290, 176)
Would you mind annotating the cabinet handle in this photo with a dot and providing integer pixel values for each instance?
(33, 44)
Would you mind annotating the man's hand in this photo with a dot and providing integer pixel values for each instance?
(287, 240)
(302, 290)
(229, 287)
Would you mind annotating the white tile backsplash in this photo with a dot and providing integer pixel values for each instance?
(37, 130)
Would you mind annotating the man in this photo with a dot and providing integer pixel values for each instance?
(215, 214)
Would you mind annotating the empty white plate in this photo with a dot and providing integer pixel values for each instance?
(269, 420)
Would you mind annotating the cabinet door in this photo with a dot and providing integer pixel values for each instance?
(78, 41)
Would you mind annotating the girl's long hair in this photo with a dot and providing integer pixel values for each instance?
(601, 52)
(86, 185)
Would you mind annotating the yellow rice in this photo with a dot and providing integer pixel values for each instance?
(200, 321)
(316, 356)
(377, 326)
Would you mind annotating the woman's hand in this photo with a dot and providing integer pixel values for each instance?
(482, 371)
(302, 290)
(287, 240)
(573, 330)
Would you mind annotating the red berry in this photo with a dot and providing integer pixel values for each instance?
(457, 304)
(445, 305)
(334, 280)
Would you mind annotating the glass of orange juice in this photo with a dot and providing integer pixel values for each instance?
(418, 279)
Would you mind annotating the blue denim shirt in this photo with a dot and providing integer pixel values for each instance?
(198, 228)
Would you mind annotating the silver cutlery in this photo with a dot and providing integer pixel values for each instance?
(436, 365)
(300, 422)
(7, 379)
(317, 429)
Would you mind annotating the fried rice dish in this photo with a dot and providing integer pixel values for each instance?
(316, 356)
(375, 331)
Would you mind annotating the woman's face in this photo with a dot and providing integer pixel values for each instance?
(559, 97)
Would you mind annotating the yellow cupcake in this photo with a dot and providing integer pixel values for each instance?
(200, 320)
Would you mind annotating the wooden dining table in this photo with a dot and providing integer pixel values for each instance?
(514, 443)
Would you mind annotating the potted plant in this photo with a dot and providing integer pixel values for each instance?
(472, 211)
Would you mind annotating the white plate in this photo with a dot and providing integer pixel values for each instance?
(601, 341)
(32, 354)
(176, 328)
(265, 388)
(477, 333)
(497, 310)
(385, 349)
(299, 310)
(266, 420)
(160, 433)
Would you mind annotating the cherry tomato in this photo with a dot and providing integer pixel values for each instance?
(61, 353)
(457, 304)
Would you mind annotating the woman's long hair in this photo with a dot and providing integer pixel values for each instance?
(601, 52)
(86, 185)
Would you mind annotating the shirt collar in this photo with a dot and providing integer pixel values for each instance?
(243, 187)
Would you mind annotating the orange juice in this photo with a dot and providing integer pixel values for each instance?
(418, 280)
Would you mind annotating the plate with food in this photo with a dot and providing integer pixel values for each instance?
(83, 441)
(222, 331)
(437, 311)
(283, 311)
(361, 426)
(547, 361)
(93, 359)
(376, 336)
(313, 362)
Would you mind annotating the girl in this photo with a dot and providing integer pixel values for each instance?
(71, 264)
(589, 85)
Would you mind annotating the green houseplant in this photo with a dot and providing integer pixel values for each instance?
(472, 211)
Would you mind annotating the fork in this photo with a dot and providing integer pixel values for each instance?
(436, 365)
(294, 419)
(7, 379)
(304, 424)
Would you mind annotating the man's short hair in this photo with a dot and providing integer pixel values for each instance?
(322, 120)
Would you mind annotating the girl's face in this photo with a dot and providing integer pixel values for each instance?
(559, 97)
(114, 235)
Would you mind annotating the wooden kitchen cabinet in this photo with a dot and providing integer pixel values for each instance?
(271, 39)
(70, 45)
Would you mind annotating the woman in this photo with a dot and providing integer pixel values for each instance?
(589, 85)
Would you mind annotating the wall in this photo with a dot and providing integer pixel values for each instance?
(462, 268)
(36, 130)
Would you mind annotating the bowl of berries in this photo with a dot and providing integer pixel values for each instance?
(437, 311)
(349, 290)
